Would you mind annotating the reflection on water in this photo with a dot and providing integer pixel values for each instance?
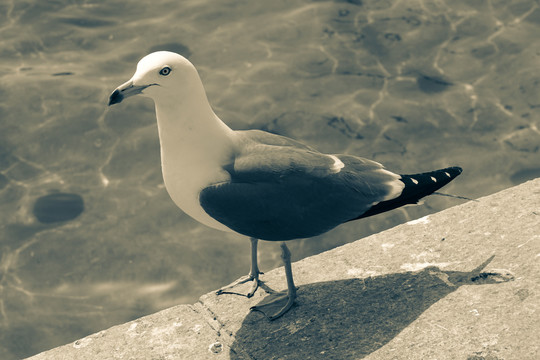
(89, 237)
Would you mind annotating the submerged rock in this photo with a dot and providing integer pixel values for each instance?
(58, 207)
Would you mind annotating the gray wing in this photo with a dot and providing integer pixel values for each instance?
(283, 192)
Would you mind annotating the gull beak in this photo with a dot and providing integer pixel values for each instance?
(125, 90)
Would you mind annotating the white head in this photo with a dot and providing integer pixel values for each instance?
(195, 143)
(163, 76)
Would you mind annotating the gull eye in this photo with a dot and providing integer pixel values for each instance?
(165, 71)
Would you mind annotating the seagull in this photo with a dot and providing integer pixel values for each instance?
(258, 184)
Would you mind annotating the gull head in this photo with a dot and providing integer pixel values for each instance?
(162, 74)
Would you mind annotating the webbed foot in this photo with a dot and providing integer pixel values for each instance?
(244, 279)
(275, 305)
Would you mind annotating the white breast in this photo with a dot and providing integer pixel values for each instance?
(184, 190)
(195, 145)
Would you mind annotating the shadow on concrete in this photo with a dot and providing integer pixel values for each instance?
(351, 318)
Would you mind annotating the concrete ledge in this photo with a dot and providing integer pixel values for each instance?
(411, 292)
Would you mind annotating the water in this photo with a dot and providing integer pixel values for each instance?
(89, 238)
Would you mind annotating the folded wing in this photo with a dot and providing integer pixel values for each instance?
(281, 190)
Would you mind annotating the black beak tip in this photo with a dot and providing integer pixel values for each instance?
(116, 97)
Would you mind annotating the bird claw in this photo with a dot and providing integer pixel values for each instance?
(274, 306)
(242, 280)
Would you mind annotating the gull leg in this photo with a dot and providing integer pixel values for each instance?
(252, 276)
(280, 303)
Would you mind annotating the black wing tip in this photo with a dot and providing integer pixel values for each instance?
(432, 180)
(454, 171)
(449, 173)
(417, 186)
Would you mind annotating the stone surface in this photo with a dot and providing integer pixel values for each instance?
(176, 333)
(458, 284)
